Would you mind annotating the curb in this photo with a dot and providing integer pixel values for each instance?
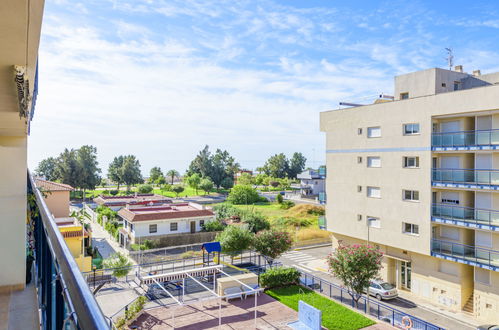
(312, 246)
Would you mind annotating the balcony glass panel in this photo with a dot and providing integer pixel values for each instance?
(466, 176)
(466, 214)
(466, 253)
(466, 138)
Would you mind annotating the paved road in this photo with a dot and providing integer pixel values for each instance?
(312, 261)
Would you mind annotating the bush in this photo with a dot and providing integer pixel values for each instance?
(279, 276)
(119, 263)
(226, 211)
(213, 226)
(148, 244)
(279, 198)
(145, 189)
(133, 309)
(114, 192)
(287, 205)
(255, 221)
(243, 195)
(292, 221)
(304, 210)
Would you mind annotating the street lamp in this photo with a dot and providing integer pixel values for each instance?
(367, 301)
(94, 268)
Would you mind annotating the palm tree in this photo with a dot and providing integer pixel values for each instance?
(172, 174)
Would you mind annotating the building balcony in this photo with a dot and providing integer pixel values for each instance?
(466, 254)
(465, 216)
(64, 297)
(466, 140)
(466, 178)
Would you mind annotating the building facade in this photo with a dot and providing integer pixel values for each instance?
(418, 176)
(311, 183)
(56, 196)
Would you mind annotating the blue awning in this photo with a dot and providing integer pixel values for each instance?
(212, 247)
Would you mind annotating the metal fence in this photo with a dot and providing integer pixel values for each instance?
(376, 309)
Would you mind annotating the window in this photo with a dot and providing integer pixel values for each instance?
(450, 201)
(444, 85)
(482, 276)
(373, 222)
(359, 160)
(173, 226)
(373, 161)
(359, 188)
(359, 131)
(373, 192)
(411, 162)
(153, 229)
(373, 132)
(411, 195)
(410, 228)
(456, 85)
(411, 129)
(404, 96)
(201, 223)
(359, 217)
(131, 227)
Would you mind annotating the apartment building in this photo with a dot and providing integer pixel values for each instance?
(418, 176)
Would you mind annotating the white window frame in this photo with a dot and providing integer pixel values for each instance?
(373, 222)
(155, 226)
(369, 161)
(371, 189)
(412, 192)
(410, 228)
(406, 161)
(372, 129)
(411, 131)
(172, 224)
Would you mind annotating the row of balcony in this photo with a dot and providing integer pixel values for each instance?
(466, 178)
(466, 140)
(465, 216)
(466, 254)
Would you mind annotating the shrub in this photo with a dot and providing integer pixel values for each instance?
(279, 198)
(120, 264)
(148, 244)
(133, 309)
(177, 189)
(113, 192)
(304, 210)
(225, 211)
(213, 226)
(292, 221)
(243, 195)
(287, 205)
(145, 189)
(279, 276)
(255, 221)
(272, 243)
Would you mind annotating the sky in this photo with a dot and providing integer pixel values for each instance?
(160, 79)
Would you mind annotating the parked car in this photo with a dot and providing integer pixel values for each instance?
(382, 290)
(488, 327)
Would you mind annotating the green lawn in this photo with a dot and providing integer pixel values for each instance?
(334, 315)
(267, 209)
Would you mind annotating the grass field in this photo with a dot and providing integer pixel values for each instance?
(267, 209)
(187, 192)
(334, 315)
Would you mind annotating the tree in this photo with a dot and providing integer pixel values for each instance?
(260, 179)
(177, 189)
(272, 243)
(202, 163)
(130, 171)
(88, 172)
(160, 180)
(227, 183)
(119, 263)
(193, 181)
(206, 185)
(276, 166)
(68, 170)
(114, 172)
(223, 166)
(154, 174)
(255, 221)
(47, 168)
(355, 265)
(145, 189)
(245, 179)
(296, 165)
(172, 174)
(243, 195)
(234, 240)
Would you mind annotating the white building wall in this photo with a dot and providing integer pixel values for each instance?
(141, 229)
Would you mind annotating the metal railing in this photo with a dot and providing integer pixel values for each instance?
(64, 298)
(466, 253)
(466, 214)
(472, 176)
(465, 138)
(376, 309)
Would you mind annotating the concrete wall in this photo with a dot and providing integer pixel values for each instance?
(13, 190)
(141, 229)
(180, 239)
(58, 203)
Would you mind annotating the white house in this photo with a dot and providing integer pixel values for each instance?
(311, 183)
(157, 222)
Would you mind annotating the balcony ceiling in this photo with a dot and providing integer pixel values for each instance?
(20, 28)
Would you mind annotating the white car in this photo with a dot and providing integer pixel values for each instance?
(382, 290)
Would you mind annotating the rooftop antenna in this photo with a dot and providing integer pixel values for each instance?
(450, 58)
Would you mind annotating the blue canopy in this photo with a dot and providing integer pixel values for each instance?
(212, 247)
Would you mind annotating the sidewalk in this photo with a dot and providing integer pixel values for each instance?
(103, 241)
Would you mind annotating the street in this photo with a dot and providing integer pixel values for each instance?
(312, 261)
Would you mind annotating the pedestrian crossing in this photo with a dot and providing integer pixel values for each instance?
(305, 262)
(299, 257)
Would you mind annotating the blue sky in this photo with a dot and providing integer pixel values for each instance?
(160, 79)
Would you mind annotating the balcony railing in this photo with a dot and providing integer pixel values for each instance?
(466, 216)
(466, 138)
(64, 297)
(467, 254)
(467, 176)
